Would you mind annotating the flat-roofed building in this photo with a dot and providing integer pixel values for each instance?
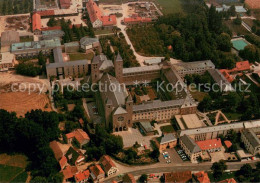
(251, 141)
(191, 149)
(71, 47)
(147, 128)
(6, 61)
(8, 38)
(87, 44)
(61, 69)
(32, 49)
(198, 67)
(50, 34)
(189, 121)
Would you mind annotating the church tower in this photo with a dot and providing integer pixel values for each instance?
(118, 64)
(129, 109)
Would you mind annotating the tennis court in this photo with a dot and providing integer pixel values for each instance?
(239, 44)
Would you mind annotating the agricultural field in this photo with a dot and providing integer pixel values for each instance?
(169, 6)
(12, 168)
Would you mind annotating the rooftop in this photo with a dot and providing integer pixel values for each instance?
(88, 41)
(9, 37)
(107, 163)
(193, 65)
(141, 69)
(251, 137)
(209, 144)
(45, 44)
(180, 177)
(147, 126)
(190, 144)
(169, 137)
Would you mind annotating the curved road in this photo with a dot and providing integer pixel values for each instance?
(157, 168)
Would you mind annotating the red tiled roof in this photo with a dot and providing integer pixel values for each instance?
(70, 135)
(56, 149)
(46, 13)
(36, 22)
(107, 163)
(137, 20)
(96, 14)
(177, 177)
(209, 144)
(96, 170)
(51, 28)
(226, 75)
(81, 122)
(108, 20)
(228, 181)
(80, 135)
(227, 143)
(202, 177)
(63, 161)
(84, 175)
(242, 66)
(69, 172)
(93, 11)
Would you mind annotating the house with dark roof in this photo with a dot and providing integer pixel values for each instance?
(89, 44)
(96, 173)
(146, 128)
(166, 141)
(191, 149)
(108, 165)
(251, 141)
(178, 177)
(74, 157)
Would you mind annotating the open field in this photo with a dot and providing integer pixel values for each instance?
(12, 168)
(13, 160)
(23, 102)
(80, 56)
(169, 6)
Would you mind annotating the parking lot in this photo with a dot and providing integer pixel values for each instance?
(182, 155)
(170, 156)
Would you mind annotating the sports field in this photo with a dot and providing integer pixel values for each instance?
(239, 44)
(169, 6)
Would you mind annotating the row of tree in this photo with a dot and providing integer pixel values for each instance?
(11, 7)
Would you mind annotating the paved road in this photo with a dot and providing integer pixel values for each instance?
(178, 167)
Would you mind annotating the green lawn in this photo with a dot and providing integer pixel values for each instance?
(26, 38)
(80, 56)
(167, 129)
(169, 6)
(105, 31)
(20, 178)
(7, 173)
(233, 116)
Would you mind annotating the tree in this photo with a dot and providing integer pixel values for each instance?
(246, 170)
(232, 10)
(218, 169)
(205, 104)
(52, 22)
(233, 100)
(237, 20)
(155, 153)
(143, 178)
(224, 43)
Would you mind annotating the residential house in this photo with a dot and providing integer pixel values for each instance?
(129, 178)
(178, 177)
(211, 145)
(69, 172)
(191, 149)
(96, 173)
(251, 141)
(56, 148)
(82, 177)
(36, 24)
(79, 135)
(166, 141)
(202, 177)
(63, 162)
(74, 157)
(108, 165)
